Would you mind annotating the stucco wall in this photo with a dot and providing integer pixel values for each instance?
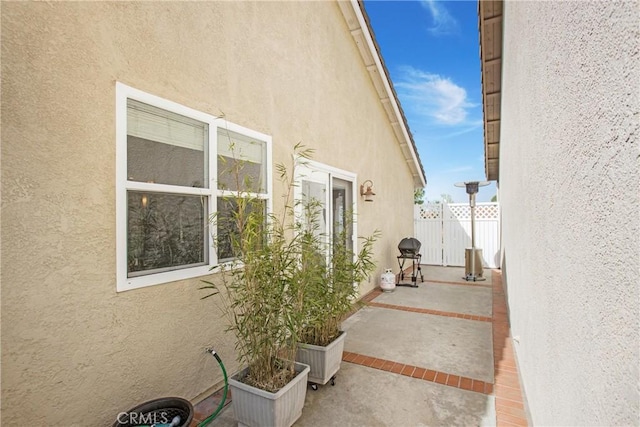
(570, 205)
(75, 352)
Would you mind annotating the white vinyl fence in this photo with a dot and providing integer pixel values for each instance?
(445, 231)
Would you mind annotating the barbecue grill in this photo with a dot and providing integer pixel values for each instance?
(410, 250)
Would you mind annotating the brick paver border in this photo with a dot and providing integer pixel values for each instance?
(368, 300)
(420, 373)
(429, 311)
(508, 394)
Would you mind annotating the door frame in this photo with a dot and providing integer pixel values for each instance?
(307, 168)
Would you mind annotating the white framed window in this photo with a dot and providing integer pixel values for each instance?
(170, 179)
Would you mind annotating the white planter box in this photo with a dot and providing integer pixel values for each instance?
(255, 407)
(323, 361)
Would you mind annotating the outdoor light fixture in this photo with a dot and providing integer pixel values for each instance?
(368, 193)
(472, 188)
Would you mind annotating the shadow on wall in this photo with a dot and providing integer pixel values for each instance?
(496, 260)
(505, 288)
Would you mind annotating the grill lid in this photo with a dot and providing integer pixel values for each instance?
(409, 246)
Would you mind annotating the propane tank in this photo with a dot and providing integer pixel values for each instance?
(388, 281)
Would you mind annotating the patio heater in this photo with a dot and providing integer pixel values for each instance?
(472, 188)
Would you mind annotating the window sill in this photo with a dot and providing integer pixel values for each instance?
(130, 283)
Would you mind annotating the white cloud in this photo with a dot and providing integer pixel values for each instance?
(434, 96)
(470, 126)
(443, 22)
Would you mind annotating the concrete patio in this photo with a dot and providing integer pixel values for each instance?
(435, 355)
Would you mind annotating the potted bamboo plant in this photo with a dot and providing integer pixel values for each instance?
(261, 294)
(330, 294)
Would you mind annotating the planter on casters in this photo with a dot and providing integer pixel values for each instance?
(323, 361)
(255, 407)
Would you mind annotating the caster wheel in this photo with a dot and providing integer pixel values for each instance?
(314, 387)
(333, 381)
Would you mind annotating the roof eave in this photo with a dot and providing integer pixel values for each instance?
(360, 28)
(490, 28)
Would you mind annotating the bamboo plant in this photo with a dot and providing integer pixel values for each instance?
(333, 282)
(261, 292)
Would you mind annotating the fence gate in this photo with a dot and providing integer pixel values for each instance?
(445, 231)
(428, 226)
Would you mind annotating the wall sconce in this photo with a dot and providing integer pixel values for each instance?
(368, 193)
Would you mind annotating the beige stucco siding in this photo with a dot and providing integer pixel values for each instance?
(569, 177)
(75, 352)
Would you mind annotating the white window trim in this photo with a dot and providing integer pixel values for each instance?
(124, 92)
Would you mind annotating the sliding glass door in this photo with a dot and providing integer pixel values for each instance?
(330, 192)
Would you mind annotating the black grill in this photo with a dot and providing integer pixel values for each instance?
(409, 247)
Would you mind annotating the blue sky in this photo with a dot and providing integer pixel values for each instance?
(431, 50)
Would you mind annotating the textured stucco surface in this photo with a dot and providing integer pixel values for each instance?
(75, 352)
(570, 204)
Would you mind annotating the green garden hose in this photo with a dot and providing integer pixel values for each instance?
(224, 393)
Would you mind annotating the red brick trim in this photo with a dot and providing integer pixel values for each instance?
(371, 295)
(406, 370)
(206, 406)
(429, 311)
(508, 394)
